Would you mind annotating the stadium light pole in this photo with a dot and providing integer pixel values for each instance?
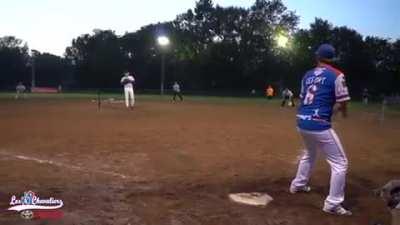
(282, 40)
(163, 42)
(32, 64)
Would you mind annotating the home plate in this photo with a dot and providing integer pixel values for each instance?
(252, 198)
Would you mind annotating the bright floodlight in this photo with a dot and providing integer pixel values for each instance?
(217, 39)
(282, 40)
(163, 40)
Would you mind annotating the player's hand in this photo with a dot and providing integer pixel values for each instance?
(344, 114)
(340, 107)
(336, 109)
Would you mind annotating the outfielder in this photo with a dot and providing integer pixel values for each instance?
(127, 81)
(323, 93)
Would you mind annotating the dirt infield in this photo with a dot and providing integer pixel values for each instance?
(175, 163)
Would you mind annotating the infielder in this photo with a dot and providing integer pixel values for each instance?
(269, 92)
(127, 81)
(177, 91)
(365, 96)
(323, 93)
(20, 89)
(287, 96)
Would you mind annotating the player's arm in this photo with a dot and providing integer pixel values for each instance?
(340, 107)
(342, 96)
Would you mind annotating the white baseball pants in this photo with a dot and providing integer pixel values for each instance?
(129, 97)
(329, 144)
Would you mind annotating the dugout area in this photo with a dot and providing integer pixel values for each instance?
(176, 163)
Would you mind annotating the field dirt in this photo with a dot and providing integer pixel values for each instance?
(175, 163)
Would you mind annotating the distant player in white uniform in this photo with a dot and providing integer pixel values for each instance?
(20, 90)
(177, 91)
(127, 81)
(287, 96)
(323, 92)
(365, 96)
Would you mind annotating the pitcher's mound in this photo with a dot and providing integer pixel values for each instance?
(253, 198)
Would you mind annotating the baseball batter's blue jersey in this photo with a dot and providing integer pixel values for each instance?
(321, 88)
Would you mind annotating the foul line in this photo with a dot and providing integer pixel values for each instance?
(63, 165)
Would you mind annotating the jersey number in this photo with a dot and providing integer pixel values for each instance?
(309, 98)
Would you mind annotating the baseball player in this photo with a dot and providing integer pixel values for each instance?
(287, 96)
(323, 93)
(127, 81)
(20, 89)
(365, 96)
(177, 91)
(269, 92)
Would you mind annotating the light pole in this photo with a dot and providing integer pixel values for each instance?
(32, 64)
(162, 73)
(163, 42)
(282, 40)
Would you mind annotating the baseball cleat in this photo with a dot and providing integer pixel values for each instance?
(304, 189)
(339, 211)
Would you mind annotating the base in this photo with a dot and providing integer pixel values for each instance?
(252, 198)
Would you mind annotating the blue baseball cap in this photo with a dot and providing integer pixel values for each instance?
(326, 51)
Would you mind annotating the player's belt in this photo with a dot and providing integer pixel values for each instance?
(311, 118)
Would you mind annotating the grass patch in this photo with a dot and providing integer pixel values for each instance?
(353, 106)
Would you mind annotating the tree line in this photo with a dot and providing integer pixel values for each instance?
(212, 48)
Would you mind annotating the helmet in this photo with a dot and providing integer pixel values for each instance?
(325, 51)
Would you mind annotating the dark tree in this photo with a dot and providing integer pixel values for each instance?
(99, 59)
(13, 62)
(52, 70)
(231, 48)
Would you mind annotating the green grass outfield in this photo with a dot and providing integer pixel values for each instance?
(373, 107)
(117, 96)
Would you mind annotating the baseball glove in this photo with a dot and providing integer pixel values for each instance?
(126, 81)
(390, 193)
